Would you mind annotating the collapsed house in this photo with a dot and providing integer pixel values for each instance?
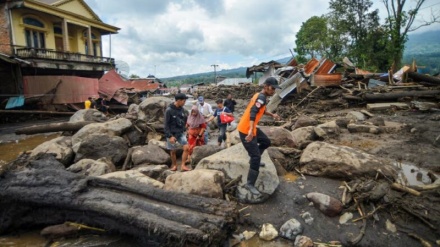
(358, 85)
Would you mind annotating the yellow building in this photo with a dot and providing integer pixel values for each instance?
(50, 37)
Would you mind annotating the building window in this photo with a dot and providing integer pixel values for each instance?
(33, 22)
(35, 38)
(57, 30)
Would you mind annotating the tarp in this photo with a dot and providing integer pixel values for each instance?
(15, 102)
(64, 89)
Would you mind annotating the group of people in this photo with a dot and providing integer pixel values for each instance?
(253, 139)
(196, 126)
(91, 103)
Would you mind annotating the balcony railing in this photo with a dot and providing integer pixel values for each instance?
(58, 55)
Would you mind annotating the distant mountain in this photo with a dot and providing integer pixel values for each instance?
(424, 48)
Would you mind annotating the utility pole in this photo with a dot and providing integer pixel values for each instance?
(215, 73)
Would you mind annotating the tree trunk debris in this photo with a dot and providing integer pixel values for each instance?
(45, 193)
(53, 127)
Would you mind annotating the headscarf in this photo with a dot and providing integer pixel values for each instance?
(197, 120)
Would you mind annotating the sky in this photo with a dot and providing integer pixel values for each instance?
(168, 38)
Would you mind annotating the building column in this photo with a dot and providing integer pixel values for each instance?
(66, 45)
(89, 41)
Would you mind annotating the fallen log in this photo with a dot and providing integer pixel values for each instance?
(37, 112)
(424, 78)
(396, 95)
(53, 127)
(46, 194)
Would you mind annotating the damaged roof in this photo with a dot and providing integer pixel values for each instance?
(111, 82)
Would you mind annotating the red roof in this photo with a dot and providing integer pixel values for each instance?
(111, 82)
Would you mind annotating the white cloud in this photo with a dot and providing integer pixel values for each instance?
(179, 37)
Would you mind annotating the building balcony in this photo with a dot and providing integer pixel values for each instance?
(58, 56)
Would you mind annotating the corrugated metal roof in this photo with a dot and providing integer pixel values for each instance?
(111, 82)
(67, 89)
(326, 67)
(327, 80)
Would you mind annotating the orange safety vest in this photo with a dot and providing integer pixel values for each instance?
(245, 120)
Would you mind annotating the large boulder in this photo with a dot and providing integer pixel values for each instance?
(234, 162)
(304, 121)
(101, 145)
(201, 152)
(89, 167)
(111, 128)
(328, 130)
(60, 146)
(92, 115)
(324, 159)
(158, 172)
(279, 136)
(202, 182)
(304, 136)
(153, 108)
(150, 154)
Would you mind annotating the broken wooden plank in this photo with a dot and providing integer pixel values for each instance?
(384, 106)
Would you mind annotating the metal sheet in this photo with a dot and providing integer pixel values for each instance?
(111, 82)
(311, 65)
(72, 89)
(326, 67)
(327, 80)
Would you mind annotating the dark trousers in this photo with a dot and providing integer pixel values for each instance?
(222, 137)
(255, 148)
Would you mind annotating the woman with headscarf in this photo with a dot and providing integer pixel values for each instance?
(196, 126)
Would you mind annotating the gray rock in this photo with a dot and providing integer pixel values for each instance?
(60, 146)
(234, 161)
(100, 145)
(291, 229)
(150, 154)
(89, 167)
(324, 159)
(305, 121)
(202, 182)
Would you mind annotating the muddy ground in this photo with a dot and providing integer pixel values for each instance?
(415, 145)
(406, 147)
(412, 145)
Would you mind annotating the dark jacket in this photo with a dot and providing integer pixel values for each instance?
(175, 119)
(230, 104)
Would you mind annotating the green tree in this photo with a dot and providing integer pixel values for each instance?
(400, 23)
(311, 39)
(134, 76)
(355, 32)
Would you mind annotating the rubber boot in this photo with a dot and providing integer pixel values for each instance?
(251, 179)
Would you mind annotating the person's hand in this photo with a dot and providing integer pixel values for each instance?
(249, 137)
(276, 117)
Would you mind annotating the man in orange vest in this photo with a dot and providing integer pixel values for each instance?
(253, 139)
